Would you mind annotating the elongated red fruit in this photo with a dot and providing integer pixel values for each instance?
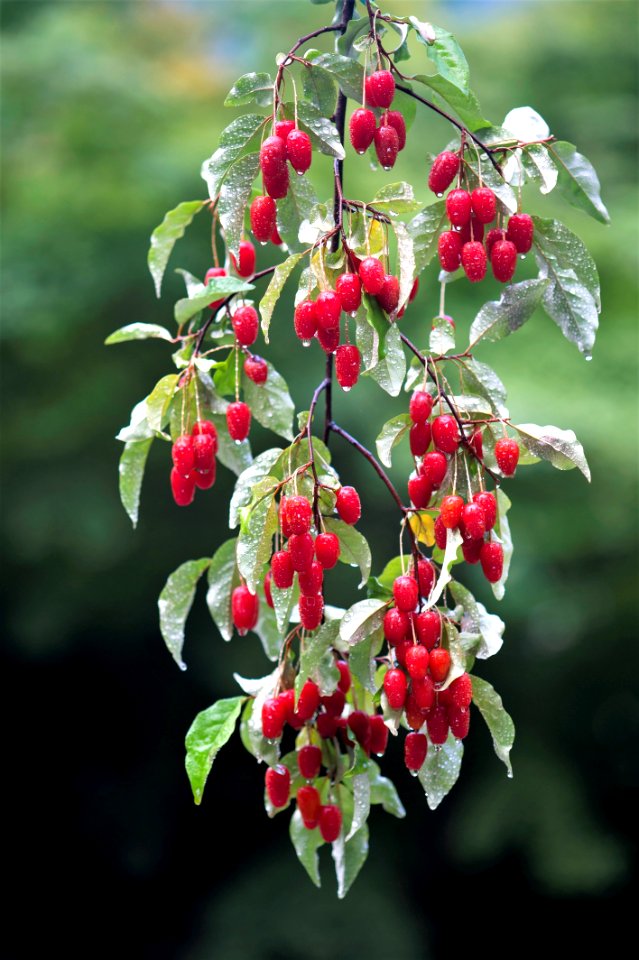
(299, 150)
(256, 370)
(425, 576)
(473, 521)
(263, 218)
(461, 691)
(311, 579)
(417, 661)
(330, 822)
(488, 504)
(507, 456)
(305, 320)
(327, 550)
(182, 488)
(348, 505)
(484, 204)
(238, 420)
(451, 511)
(491, 557)
(245, 608)
(419, 438)
(443, 171)
(204, 479)
(405, 593)
(474, 261)
(458, 207)
(437, 725)
(283, 128)
(459, 719)
(348, 288)
(282, 569)
(298, 514)
(309, 700)
(380, 88)
(204, 453)
(445, 433)
(379, 735)
(273, 717)
(245, 262)
(396, 625)
(309, 761)
(301, 549)
(395, 688)
(278, 785)
(439, 664)
(420, 406)
(309, 805)
(503, 260)
(371, 273)
(347, 365)
(211, 275)
(520, 231)
(245, 322)
(183, 455)
(328, 309)
(434, 466)
(362, 129)
(420, 490)
(396, 120)
(386, 146)
(428, 626)
(415, 749)
(311, 611)
(449, 249)
(388, 296)
(272, 156)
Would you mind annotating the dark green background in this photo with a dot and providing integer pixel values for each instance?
(109, 109)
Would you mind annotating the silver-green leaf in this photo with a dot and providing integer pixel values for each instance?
(271, 402)
(390, 435)
(306, 844)
(139, 331)
(233, 141)
(234, 196)
(223, 577)
(208, 733)
(361, 620)
(499, 318)
(440, 770)
(500, 723)
(560, 447)
(131, 474)
(280, 275)
(164, 237)
(425, 229)
(354, 548)
(254, 88)
(175, 602)
(577, 180)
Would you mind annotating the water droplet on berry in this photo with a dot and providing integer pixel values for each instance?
(361, 152)
(306, 343)
(386, 168)
(237, 443)
(263, 243)
(440, 195)
(413, 773)
(588, 356)
(346, 390)
(522, 256)
(458, 229)
(353, 314)
(300, 173)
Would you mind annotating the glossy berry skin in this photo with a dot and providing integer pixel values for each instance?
(334, 704)
(428, 627)
(419, 438)
(327, 550)
(305, 320)
(437, 725)
(445, 433)
(415, 718)
(449, 249)
(283, 128)
(278, 785)
(474, 261)
(492, 237)
(473, 230)
(420, 490)
(276, 185)
(328, 309)
(311, 611)
(380, 88)
(420, 406)
(507, 456)
(362, 129)
(396, 120)
(309, 805)
(440, 534)
(330, 822)
(439, 664)
(386, 146)
(491, 557)
(405, 593)
(275, 237)
(434, 466)
(183, 455)
(245, 262)
(425, 577)
(256, 370)
(443, 171)
(484, 204)
(309, 700)
(298, 514)
(473, 521)
(459, 719)
(210, 275)
(299, 150)
(326, 725)
(360, 724)
(348, 505)
(347, 365)
(245, 608)
(205, 426)
(471, 550)
(371, 273)
(309, 761)
(461, 691)
(395, 688)
(488, 504)
(520, 231)
(204, 453)
(204, 480)
(274, 714)
(348, 288)
(263, 218)
(344, 682)
(503, 260)
(424, 693)
(451, 511)
(301, 549)
(282, 569)
(476, 442)
(238, 420)
(182, 488)
(417, 661)
(283, 518)
(328, 339)
(379, 735)
(396, 625)
(311, 580)
(388, 296)
(415, 749)
(245, 324)
(268, 596)
(272, 156)
(458, 207)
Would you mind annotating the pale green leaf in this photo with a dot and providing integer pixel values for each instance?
(233, 141)
(500, 724)
(499, 318)
(361, 662)
(306, 844)
(348, 73)
(271, 403)
(383, 791)
(354, 548)
(464, 103)
(389, 373)
(323, 132)
(254, 88)
(395, 199)
(131, 473)
(502, 532)
(175, 602)
(442, 335)
(210, 730)
(293, 210)
(253, 740)
(258, 470)
(164, 237)
(559, 447)
(223, 577)
(539, 165)
(440, 770)
(390, 435)
(280, 275)
(577, 181)
(349, 857)
(254, 542)
(448, 58)
(482, 632)
(361, 620)
(318, 85)
(313, 651)
(234, 196)
(216, 289)
(425, 229)
(159, 400)
(139, 331)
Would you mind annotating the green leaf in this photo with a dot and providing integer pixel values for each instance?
(406, 105)
(234, 456)
(361, 787)
(395, 199)
(448, 58)
(361, 663)
(293, 209)
(499, 318)
(138, 427)
(577, 182)
(348, 73)
(139, 331)
(131, 473)
(223, 577)
(254, 88)
(306, 844)
(233, 141)
(440, 770)
(354, 28)
(258, 470)
(215, 289)
(453, 541)
(234, 196)
(163, 240)
(349, 857)
(361, 620)
(283, 603)
(383, 791)
(406, 260)
(280, 275)
(390, 435)
(318, 85)
(393, 569)
(425, 229)
(457, 654)
(175, 602)
(502, 531)
(271, 403)
(256, 744)
(323, 133)
(354, 548)
(159, 400)
(540, 166)
(500, 724)
(525, 124)
(442, 336)
(572, 299)
(559, 447)
(389, 373)
(314, 649)
(464, 103)
(479, 378)
(482, 632)
(267, 629)
(208, 733)
(254, 542)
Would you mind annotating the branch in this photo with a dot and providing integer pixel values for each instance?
(209, 320)
(374, 462)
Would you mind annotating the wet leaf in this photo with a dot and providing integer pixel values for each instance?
(164, 237)
(175, 602)
(138, 427)
(271, 402)
(210, 730)
(256, 533)
(390, 435)
(139, 331)
(348, 73)
(159, 400)
(354, 548)
(464, 103)
(442, 336)
(482, 632)
(425, 229)
(131, 474)
(502, 532)
(223, 577)
(559, 447)
(383, 791)
(234, 196)
(216, 289)
(389, 373)
(280, 275)
(539, 165)
(318, 85)
(440, 770)
(323, 132)
(258, 470)
(313, 651)
(293, 209)
(254, 88)
(233, 141)
(500, 724)
(499, 318)
(395, 199)
(306, 844)
(448, 58)
(578, 182)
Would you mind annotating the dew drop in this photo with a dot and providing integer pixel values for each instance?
(300, 173)
(347, 390)
(272, 743)
(413, 773)
(522, 256)
(458, 229)
(306, 343)
(510, 774)
(379, 754)
(237, 443)
(263, 243)
(386, 168)
(440, 195)
(588, 356)
(361, 152)
(182, 667)
(353, 314)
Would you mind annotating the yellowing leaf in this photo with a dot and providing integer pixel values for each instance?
(423, 526)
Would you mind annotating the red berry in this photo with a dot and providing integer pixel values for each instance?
(380, 88)
(205, 426)
(417, 661)
(420, 490)
(327, 550)
(415, 749)
(299, 150)
(451, 511)
(461, 691)
(326, 725)
(309, 700)
(396, 120)
(256, 370)
(328, 308)
(283, 519)
(245, 323)
(443, 171)
(268, 596)
(334, 704)
(362, 129)
(459, 719)
(298, 514)
(275, 237)
(283, 128)
(311, 611)
(204, 453)
(359, 722)
(282, 569)
(245, 608)
(458, 207)
(396, 625)
(488, 505)
(348, 505)
(344, 682)
(419, 438)
(491, 556)
(520, 231)
(503, 259)
(425, 577)
(309, 761)
(405, 593)
(330, 822)
(476, 442)
(420, 406)
(238, 420)
(428, 627)
(484, 204)
(474, 261)
(309, 805)
(263, 217)
(272, 156)
(473, 521)
(437, 724)
(311, 579)
(415, 718)
(347, 365)
(388, 296)
(278, 785)
(210, 275)
(440, 534)
(413, 290)
(445, 434)
(328, 339)
(507, 456)
(379, 735)
(371, 273)
(471, 550)
(204, 480)
(274, 715)
(439, 664)
(301, 549)
(348, 288)
(182, 488)
(386, 146)
(492, 237)
(449, 249)
(473, 230)
(395, 688)
(305, 320)
(245, 263)
(183, 455)
(276, 185)
(424, 693)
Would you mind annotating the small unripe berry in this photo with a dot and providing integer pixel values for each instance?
(238, 420)
(395, 688)
(424, 693)
(282, 569)
(305, 320)
(362, 129)
(278, 785)
(309, 700)
(419, 438)
(474, 261)
(183, 455)
(386, 146)
(327, 550)
(396, 120)
(503, 260)
(348, 288)
(347, 365)
(491, 556)
(328, 308)
(439, 664)
(520, 231)
(299, 150)
(488, 504)
(256, 370)
(245, 263)
(309, 761)
(371, 273)
(420, 490)
(445, 434)
(330, 822)
(420, 406)
(451, 511)
(449, 249)
(309, 805)
(210, 275)
(417, 661)
(379, 735)
(461, 691)
(459, 719)
(458, 207)
(415, 749)
(182, 488)
(388, 296)
(274, 715)
(245, 607)
(311, 579)
(298, 514)
(507, 456)
(405, 593)
(396, 625)
(437, 725)
(311, 611)
(263, 218)
(428, 627)
(380, 88)
(443, 171)
(484, 204)
(425, 577)
(245, 323)
(473, 521)
(301, 549)
(348, 505)
(204, 453)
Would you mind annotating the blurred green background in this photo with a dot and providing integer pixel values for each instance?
(108, 111)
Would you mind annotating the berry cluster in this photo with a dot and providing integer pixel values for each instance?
(194, 463)
(390, 136)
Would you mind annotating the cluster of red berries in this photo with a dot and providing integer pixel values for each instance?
(390, 136)
(469, 213)
(474, 520)
(194, 462)
(287, 145)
